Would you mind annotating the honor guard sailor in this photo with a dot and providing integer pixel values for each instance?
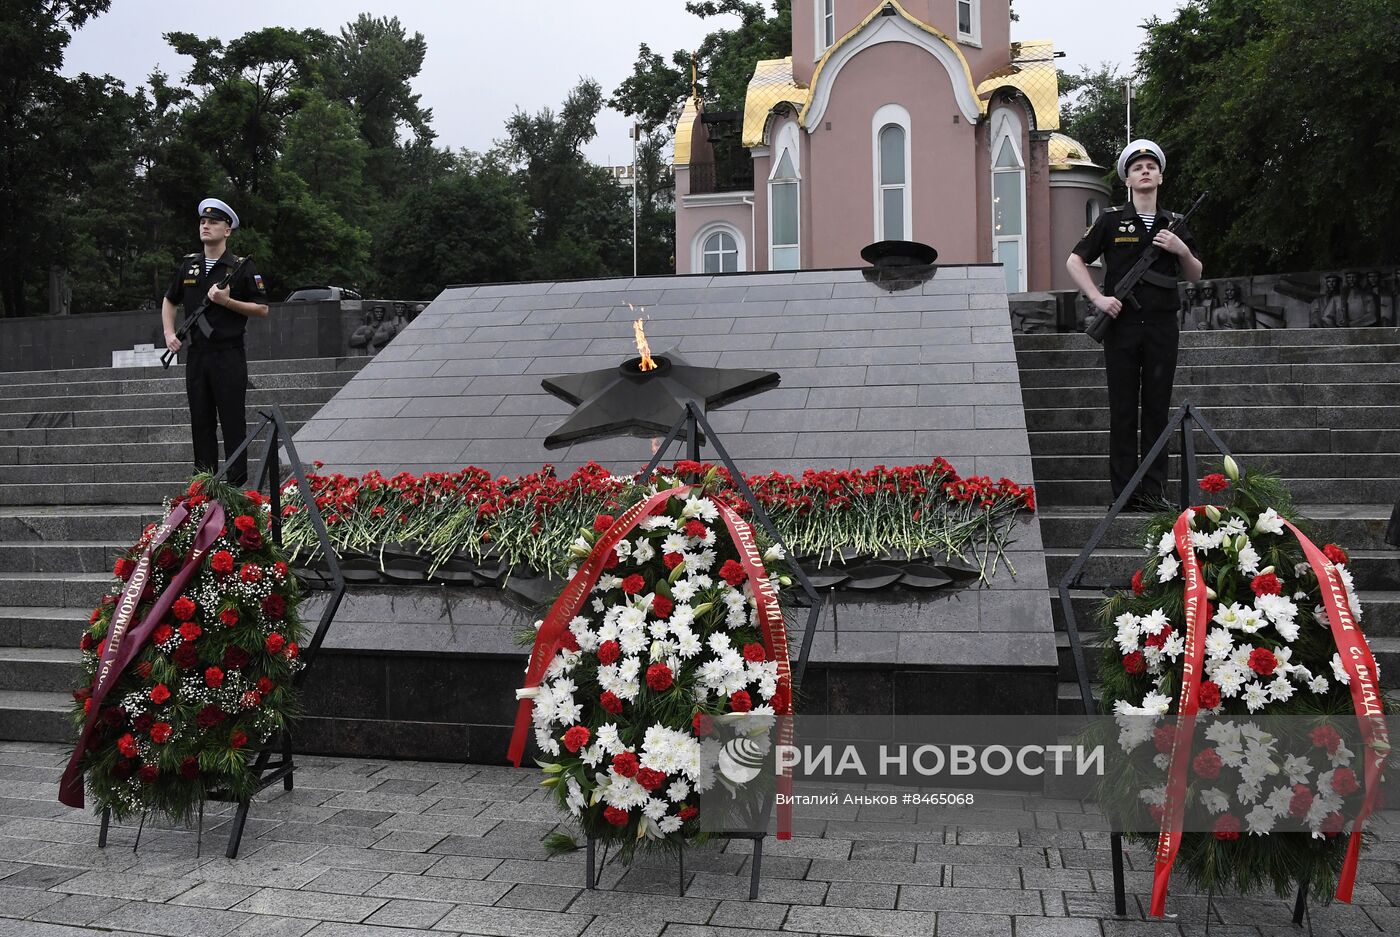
(1141, 344)
(216, 369)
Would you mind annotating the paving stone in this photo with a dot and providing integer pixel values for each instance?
(896, 852)
(310, 904)
(330, 929)
(401, 912)
(538, 897)
(42, 877)
(1056, 927)
(512, 922)
(755, 915)
(430, 888)
(956, 924)
(383, 860)
(220, 895)
(128, 886)
(860, 922)
(22, 902)
(870, 870)
(861, 895)
(983, 900)
(628, 927)
(463, 866)
(365, 818)
(77, 910)
(170, 921)
(409, 841)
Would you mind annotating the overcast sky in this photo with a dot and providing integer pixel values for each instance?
(486, 59)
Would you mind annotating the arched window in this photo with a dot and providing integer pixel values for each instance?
(1009, 201)
(784, 206)
(1092, 210)
(720, 253)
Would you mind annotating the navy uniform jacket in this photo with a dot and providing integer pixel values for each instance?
(191, 287)
(1119, 237)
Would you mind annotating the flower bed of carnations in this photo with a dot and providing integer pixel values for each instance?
(1259, 789)
(530, 520)
(188, 660)
(668, 635)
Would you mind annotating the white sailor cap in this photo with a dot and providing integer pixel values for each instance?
(1137, 149)
(217, 208)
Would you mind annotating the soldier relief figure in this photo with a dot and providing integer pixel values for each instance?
(1329, 310)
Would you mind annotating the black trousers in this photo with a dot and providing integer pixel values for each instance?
(1140, 358)
(216, 380)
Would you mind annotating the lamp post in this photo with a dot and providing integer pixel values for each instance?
(636, 131)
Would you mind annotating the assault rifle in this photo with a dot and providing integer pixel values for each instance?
(1141, 270)
(198, 319)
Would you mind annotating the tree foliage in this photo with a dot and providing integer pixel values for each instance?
(1092, 111)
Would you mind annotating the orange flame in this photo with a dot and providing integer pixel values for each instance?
(648, 363)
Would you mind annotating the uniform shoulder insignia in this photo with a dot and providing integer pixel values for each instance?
(191, 256)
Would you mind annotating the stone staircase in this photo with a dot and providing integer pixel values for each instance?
(1318, 406)
(86, 456)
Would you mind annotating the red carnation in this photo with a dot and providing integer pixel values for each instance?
(292, 651)
(1333, 823)
(740, 701)
(185, 656)
(1207, 764)
(696, 528)
(189, 768)
(184, 608)
(626, 764)
(274, 607)
(703, 724)
(1137, 582)
(659, 677)
(1209, 694)
(1159, 639)
(123, 568)
(1326, 737)
(127, 745)
(238, 739)
(113, 715)
(754, 653)
(274, 643)
(576, 738)
(210, 716)
(163, 633)
(650, 778)
(1266, 584)
(160, 733)
(148, 773)
(672, 560)
(252, 540)
(611, 702)
(234, 657)
(662, 607)
(244, 523)
(82, 693)
(159, 694)
(143, 722)
(86, 643)
(265, 685)
(1214, 482)
(251, 572)
(1344, 782)
(568, 641)
(612, 561)
(214, 677)
(1336, 554)
(1163, 738)
(615, 816)
(166, 558)
(189, 631)
(221, 562)
(1134, 662)
(608, 652)
(229, 617)
(782, 698)
(1227, 827)
(280, 569)
(688, 812)
(633, 584)
(1301, 801)
(732, 572)
(1262, 661)
(602, 522)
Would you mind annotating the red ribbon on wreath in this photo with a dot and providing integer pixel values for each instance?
(123, 644)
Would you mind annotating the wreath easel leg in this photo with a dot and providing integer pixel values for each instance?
(102, 831)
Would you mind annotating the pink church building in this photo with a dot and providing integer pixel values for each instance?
(916, 120)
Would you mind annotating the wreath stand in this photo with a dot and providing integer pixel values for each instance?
(1185, 418)
(265, 769)
(696, 428)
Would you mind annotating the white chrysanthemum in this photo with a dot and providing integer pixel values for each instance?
(1230, 678)
(1215, 800)
(1280, 689)
(622, 793)
(1231, 753)
(1319, 684)
(1255, 696)
(709, 538)
(675, 543)
(1247, 793)
(592, 756)
(1166, 571)
(678, 790)
(669, 825)
(1129, 633)
(1167, 544)
(702, 508)
(547, 743)
(587, 638)
(609, 740)
(1204, 542)
(1248, 560)
(657, 521)
(1339, 670)
(1260, 820)
(655, 809)
(1269, 523)
(1162, 761)
(687, 643)
(567, 711)
(1233, 527)
(1133, 731)
(633, 641)
(699, 562)
(671, 752)
(719, 643)
(598, 605)
(684, 590)
(574, 797)
(1156, 704)
(1153, 796)
(1219, 644)
(702, 581)
(1174, 648)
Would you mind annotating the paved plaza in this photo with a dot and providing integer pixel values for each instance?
(372, 848)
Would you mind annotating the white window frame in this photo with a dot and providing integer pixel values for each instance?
(974, 17)
(1006, 126)
(787, 143)
(824, 12)
(709, 231)
(885, 116)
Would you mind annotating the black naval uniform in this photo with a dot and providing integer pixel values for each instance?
(216, 371)
(1141, 344)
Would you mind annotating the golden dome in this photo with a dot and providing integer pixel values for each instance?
(1067, 153)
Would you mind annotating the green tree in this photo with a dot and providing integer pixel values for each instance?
(1092, 111)
(1283, 109)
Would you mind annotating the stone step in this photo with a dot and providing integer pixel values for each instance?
(1371, 569)
(1228, 339)
(93, 473)
(1233, 375)
(124, 494)
(58, 524)
(104, 436)
(60, 557)
(1208, 397)
(169, 415)
(41, 626)
(1067, 415)
(45, 590)
(40, 669)
(271, 366)
(1265, 440)
(1056, 492)
(181, 452)
(33, 716)
(1380, 613)
(1356, 527)
(1034, 359)
(155, 401)
(1094, 464)
(172, 384)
